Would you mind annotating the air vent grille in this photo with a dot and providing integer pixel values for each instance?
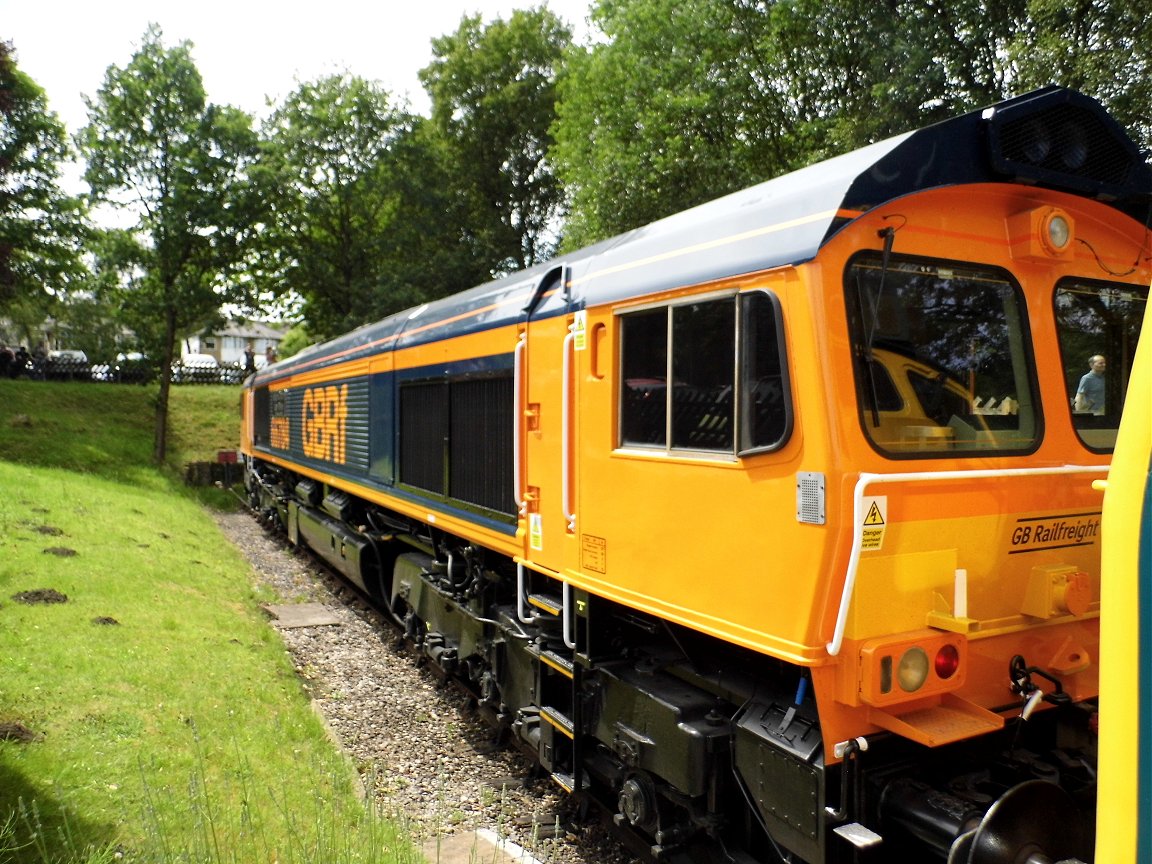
(810, 497)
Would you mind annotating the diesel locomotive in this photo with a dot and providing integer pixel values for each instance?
(770, 527)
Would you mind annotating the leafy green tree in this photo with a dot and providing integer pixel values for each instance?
(680, 103)
(177, 167)
(1101, 47)
(89, 322)
(41, 228)
(860, 71)
(295, 341)
(677, 105)
(493, 102)
(344, 210)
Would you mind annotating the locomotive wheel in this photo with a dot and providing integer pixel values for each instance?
(1033, 823)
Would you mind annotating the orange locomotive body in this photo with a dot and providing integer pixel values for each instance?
(770, 526)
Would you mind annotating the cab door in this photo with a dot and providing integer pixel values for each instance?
(546, 391)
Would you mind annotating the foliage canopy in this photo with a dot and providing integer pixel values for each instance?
(42, 229)
(679, 104)
(330, 170)
(493, 91)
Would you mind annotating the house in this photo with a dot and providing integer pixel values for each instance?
(227, 343)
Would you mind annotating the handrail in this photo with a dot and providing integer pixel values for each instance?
(521, 613)
(566, 628)
(566, 432)
(527, 617)
(518, 421)
(858, 516)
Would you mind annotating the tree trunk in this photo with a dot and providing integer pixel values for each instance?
(160, 438)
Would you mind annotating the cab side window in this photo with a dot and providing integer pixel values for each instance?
(1098, 326)
(704, 376)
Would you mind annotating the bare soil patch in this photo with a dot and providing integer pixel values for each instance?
(40, 595)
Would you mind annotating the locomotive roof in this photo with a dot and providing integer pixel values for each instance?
(1053, 137)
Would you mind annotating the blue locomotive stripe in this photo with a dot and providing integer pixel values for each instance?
(346, 429)
(1144, 680)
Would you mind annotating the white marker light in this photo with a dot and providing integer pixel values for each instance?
(913, 670)
(1059, 232)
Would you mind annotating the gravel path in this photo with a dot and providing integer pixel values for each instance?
(411, 736)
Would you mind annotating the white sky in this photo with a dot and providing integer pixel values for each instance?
(246, 50)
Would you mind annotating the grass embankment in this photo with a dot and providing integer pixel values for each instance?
(169, 722)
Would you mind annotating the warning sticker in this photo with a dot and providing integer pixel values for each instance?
(875, 521)
(536, 531)
(580, 330)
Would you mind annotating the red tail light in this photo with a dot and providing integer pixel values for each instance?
(947, 661)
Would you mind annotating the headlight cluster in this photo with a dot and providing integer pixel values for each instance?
(913, 666)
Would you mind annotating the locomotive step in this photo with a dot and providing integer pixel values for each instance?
(561, 721)
(561, 664)
(858, 835)
(547, 603)
(567, 782)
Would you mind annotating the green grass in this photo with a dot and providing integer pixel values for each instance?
(180, 732)
(206, 420)
(108, 429)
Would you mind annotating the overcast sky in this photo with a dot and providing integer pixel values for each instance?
(246, 50)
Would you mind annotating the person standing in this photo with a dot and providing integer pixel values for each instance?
(1089, 397)
(249, 360)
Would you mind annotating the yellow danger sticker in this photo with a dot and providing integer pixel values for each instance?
(580, 330)
(536, 531)
(875, 521)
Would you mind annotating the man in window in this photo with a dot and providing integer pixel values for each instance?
(1089, 397)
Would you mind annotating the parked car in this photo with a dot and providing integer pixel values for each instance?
(68, 355)
(66, 363)
(132, 367)
(196, 369)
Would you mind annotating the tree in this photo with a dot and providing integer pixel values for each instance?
(858, 71)
(295, 341)
(684, 102)
(493, 103)
(1101, 47)
(177, 166)
(343, 216)
(676, 106)
(41, 228)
